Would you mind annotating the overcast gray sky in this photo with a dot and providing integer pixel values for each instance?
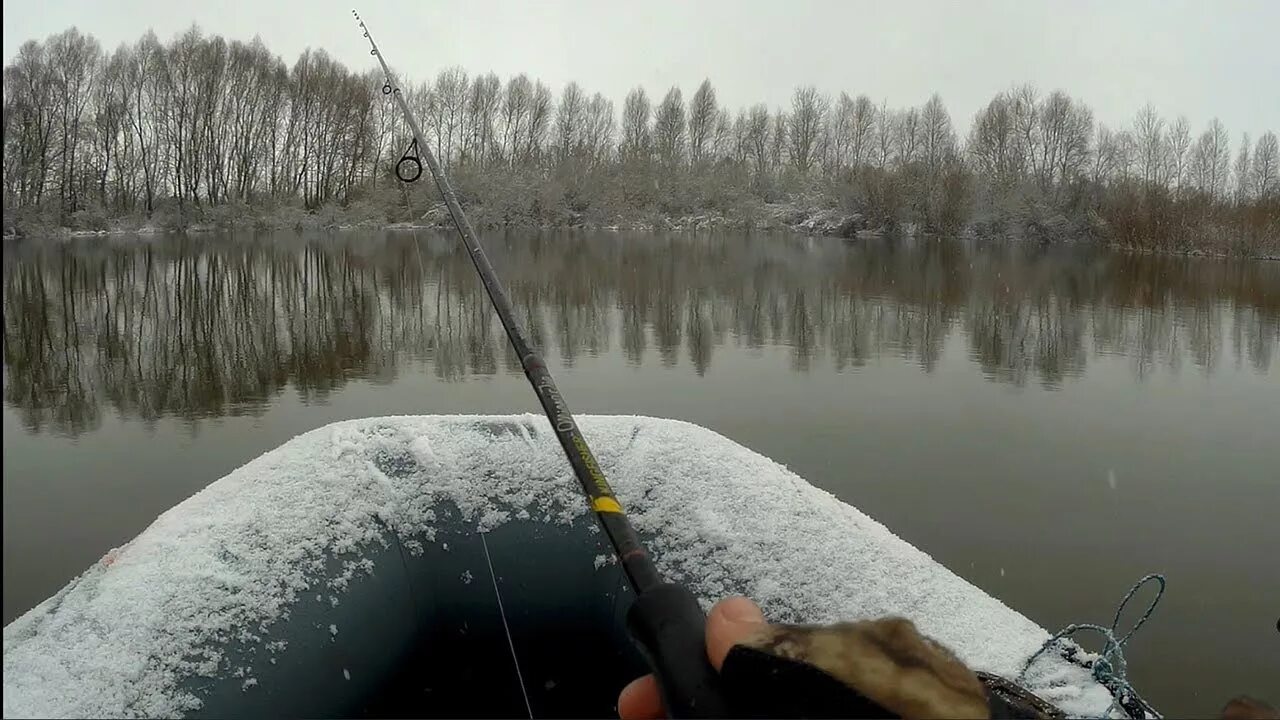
(1196, 58)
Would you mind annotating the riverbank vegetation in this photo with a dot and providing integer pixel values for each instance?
(207, 132)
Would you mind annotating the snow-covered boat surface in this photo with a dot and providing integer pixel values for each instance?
(447, 565)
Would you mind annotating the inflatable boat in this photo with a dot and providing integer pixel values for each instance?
(448, 566)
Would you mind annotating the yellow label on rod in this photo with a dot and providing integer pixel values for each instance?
(606, 504)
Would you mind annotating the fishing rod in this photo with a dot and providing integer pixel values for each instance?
(665, 620)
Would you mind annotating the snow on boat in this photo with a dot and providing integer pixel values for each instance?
(448, 566)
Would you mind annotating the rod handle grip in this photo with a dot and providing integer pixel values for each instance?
(669, 627)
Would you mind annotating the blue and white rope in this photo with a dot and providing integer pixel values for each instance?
(1109, 668)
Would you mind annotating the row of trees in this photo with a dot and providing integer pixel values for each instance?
(202, 122)
(198, 120)
(1054, 141)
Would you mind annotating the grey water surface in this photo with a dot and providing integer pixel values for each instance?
(1050, 423)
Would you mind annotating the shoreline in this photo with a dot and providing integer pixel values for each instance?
(816, 223)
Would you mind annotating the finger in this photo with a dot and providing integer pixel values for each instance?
(640, 700)
(730, 622)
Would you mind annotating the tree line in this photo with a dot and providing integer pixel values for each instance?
(202, 129)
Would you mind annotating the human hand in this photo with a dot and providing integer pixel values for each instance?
(870, 668)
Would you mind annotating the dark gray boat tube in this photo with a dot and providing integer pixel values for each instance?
(514, 622)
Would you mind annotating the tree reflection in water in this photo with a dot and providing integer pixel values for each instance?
(199, 327)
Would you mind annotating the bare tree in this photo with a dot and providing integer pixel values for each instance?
(850, 129)
(740, 148)
(1026, 120)
(1148, 132)
(1266, 166)
(598, 136)
(637, 137)
(808, 108)
(1243, 175)
(863, 129)
(1061, 140)
(1211, 159)
(884, 136)
(906, 137)
(1177, 148)
(703, 116)
(757, 138)
(540, 109)
(994, 141)
(450, 112)
(1074, 143)
(1126, 154)
(1106, 156)
(722, 139)
(937, 137)
(571, 120)
(840, 130)
(669, 128)
(778, 140)
(73, 64)
(483, 103)
(516, 103)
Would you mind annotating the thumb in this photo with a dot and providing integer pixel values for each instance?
(731, 621)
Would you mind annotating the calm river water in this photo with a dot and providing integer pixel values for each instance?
(1051, 424)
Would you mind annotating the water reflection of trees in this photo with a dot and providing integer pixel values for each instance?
(211, 327)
